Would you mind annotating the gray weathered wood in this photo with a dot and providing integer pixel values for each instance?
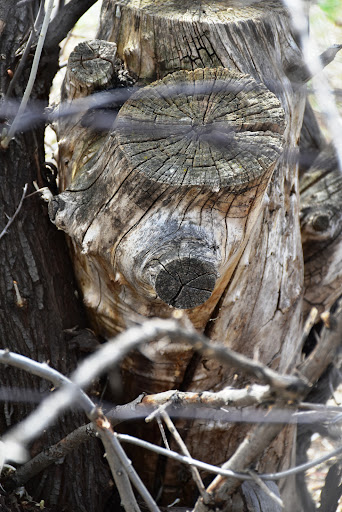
(90, 67)
(125, 222)
(192, 135)
(256, 498)
(321, 224)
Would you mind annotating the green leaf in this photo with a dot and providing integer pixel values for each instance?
(330, 7)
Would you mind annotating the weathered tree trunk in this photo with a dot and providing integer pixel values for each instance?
(321, 204)
(33, 257)
(192, 203)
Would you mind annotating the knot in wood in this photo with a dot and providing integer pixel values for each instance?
(186, 283)
(208, 127)
(321, 222)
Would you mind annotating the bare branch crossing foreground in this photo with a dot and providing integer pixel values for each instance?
(121, 468)
(276, 391)
(11, 219)
(111, 353)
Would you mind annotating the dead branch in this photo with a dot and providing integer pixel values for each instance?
(45, 372)
(221, 471)
(286, 386)
(119, 472)
(120, 465)
(320, 84)
(262, 435)
(113, 351)
(11, 219)
(249, 450)
(115, 455)
(14, 126)
(51, 455)
(182, 405)
(264, 487)
(194, 471)
(325, 350)
(64, 21)
(26, 52)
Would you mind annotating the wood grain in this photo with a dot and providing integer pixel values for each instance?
(127, 219)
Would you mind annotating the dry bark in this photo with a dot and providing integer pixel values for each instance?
(137, 229)
(34, 255)
(321, 208)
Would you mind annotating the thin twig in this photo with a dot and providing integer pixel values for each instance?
(113, 351)
(11, 219)
(161, 407)
(287, 386)
(23, 2)
(119, 472)
(65, 20)
(320, 407)
(14, 442)
(23, 59)
(261, 436)
(134, 410)
(194, 471)
(44, 371)
(252, 395)
(162, 432)
(112, 444)
(226, 472)
(137, 409)
(12, 448)
(264, 487)
(86, 432)
(62, 448)
(32, 77)
(52, 455)
(320, 84)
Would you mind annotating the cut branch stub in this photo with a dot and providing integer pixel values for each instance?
(321, 229)
(155, 38)
(186, 283)
(204, 127)
(91, 65)
(170, 201)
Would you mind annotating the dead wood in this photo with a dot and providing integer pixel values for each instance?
(321, 227)
(191, 203)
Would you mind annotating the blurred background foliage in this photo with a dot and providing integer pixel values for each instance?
(332, 9)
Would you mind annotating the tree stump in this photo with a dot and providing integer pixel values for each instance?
(191, 203)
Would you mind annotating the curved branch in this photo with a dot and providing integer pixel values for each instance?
(118, 460)
(14, 126)
(64, 21)
(226, 472)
